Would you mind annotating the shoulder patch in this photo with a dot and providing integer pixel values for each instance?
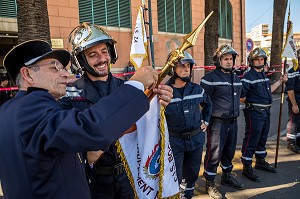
(72, 91)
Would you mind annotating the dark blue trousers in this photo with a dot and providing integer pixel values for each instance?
(111, 187)
(293, 125)
(188, 157)
(220, 146)
(256, 134)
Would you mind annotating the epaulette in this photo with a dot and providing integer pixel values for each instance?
(73, 92)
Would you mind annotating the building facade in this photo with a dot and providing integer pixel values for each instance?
(262, 37)
(170, 21)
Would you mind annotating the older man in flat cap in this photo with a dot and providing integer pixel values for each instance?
(40, 143)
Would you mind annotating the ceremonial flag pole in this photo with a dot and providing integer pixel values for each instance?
(146, 153)
(289, 50)
(139, 44)
(147, 28)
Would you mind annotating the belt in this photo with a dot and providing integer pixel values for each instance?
(110, 170)
(258, 107)
(224, 120)
(185, 135)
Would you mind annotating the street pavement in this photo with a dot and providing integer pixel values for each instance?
(283, 184)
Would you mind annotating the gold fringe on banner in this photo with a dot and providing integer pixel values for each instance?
(161, 160)
(126, 166)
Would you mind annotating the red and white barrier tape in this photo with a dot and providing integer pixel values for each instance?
(9, 89)
(131, 73)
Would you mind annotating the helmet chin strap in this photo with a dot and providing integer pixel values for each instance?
(227, 69)
(184, 79)
(259, 67)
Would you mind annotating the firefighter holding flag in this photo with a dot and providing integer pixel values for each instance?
(93, 50)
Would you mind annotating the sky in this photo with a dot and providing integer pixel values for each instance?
(261, 11)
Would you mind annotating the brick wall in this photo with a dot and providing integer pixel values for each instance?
(64, 16)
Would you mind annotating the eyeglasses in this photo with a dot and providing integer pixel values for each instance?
(55, 65)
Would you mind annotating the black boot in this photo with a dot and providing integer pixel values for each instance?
(292, 146)
(212, 190)
(250, 174)
(264, 165)
(228, 180)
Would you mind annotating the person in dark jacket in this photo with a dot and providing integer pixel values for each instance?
(41, 144)
(224, 88)
(187, 117)
(129, 69)
(258, 98)
(293, 125)
(105, 171)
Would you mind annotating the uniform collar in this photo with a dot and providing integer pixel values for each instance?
(258, 73)
(88, 89)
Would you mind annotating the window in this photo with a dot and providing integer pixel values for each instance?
(8, 8)
(174, 16)
(105, 12)
(225, 22)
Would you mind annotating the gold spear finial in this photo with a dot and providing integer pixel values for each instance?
(177, 55)
(190, 39)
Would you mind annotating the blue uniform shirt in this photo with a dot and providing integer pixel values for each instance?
(293, 82)
(224, 90)
(257, 87)
(183, 114)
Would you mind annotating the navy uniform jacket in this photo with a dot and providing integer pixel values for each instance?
(224, 90)
(4, 96)
(293, 83)
(39, 141)
(256, 87)
(82, 95)
(183, 114)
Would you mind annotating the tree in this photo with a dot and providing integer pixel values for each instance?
(33, 20)
(279, 10)
(211, 34)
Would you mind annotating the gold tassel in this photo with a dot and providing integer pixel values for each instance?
(295, 64)
(162, 155)
(126, 166)
(161, 160)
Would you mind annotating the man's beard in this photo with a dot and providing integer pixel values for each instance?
(102, 73)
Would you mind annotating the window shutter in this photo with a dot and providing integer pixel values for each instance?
(229, 21)
(125, 15)
(161, 15)
(225, 20)
(99, 8)
(8, 8)
(174, 16)
(114, 13)
(187, 16)
(85, 11)
(179, 16)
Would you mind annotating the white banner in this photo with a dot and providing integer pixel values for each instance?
(148, 157)
(138, 49)
(289, 49)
